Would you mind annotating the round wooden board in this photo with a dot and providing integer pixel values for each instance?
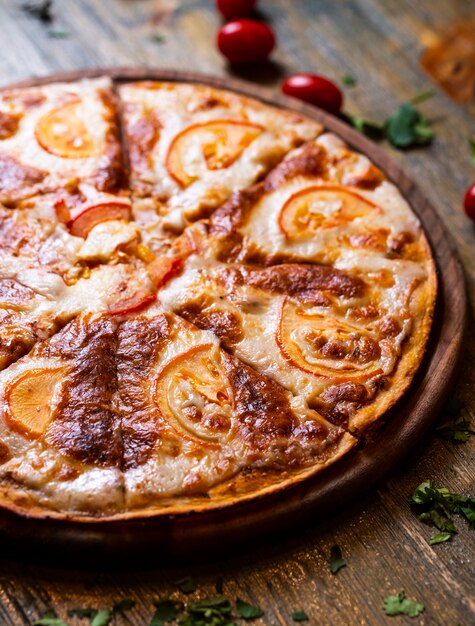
(315, 498)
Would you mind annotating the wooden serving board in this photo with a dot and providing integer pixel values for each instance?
(316, 497)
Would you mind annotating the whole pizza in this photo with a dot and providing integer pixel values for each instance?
(203, 298)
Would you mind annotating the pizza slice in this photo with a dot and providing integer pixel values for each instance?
(191, 146)
(56, 135)
(131, 411)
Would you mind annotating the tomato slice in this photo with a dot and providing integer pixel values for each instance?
(215, 145)
(321, 207)
(29, 400)
(326, 347)
(133, 304)
(193, 397)
(80, 225)
(62, 132)
(163, 269)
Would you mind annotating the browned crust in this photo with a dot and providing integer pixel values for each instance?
(423, 304)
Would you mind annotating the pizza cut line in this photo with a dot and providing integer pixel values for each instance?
(203, 298)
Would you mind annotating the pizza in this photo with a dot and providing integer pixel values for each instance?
(203, 299)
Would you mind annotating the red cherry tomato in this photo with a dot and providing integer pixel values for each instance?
(231, 9)
(245, 41)
(469, 202)
(316, 90)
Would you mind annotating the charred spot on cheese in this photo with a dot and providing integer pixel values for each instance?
(5, 454)
(140, 340)
(345, 399)
(142, 134)
(111, 174)
(16, 177)
(311, 161)
(265, 418)
(225, 324)
(369, 179)
(86, 426)
(9, 123)
(304, 282)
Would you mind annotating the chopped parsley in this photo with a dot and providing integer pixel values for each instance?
(471, 143)
(458, 428)
(336, 559)
(299, 616)
(186, 584)
(215, 611)
(373, 130)
(158, 38)
(407, 127)
(103, 617)
(348, 80)
(248, 611)
(437, 504)
(400, 605)
(50, 618)
(165, 611)
(58, 34)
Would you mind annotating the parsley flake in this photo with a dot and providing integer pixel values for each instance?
(408, 127)
(165, 611)
(458, 427)
(457, 431)
(299, 616)
(348, 80)
(50, 618)
(103, 617)
(158, 38)
(186, 584)
(373, 130)
(437, 505)
(422, 97)
(248, 611)
(336, 560)
(58, 34)
(471, 143)
(440, 538)
(213, 611)
(400, 605)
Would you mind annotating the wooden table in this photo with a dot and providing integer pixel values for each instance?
(378, 42)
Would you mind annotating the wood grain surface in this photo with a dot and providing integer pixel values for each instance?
(378, 42)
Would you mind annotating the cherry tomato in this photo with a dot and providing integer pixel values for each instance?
(231, 9)
(245, 41)
(469, 202)
(316, 90)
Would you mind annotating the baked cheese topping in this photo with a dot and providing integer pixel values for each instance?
(228, 322)
(51, 136)
(193, 145)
